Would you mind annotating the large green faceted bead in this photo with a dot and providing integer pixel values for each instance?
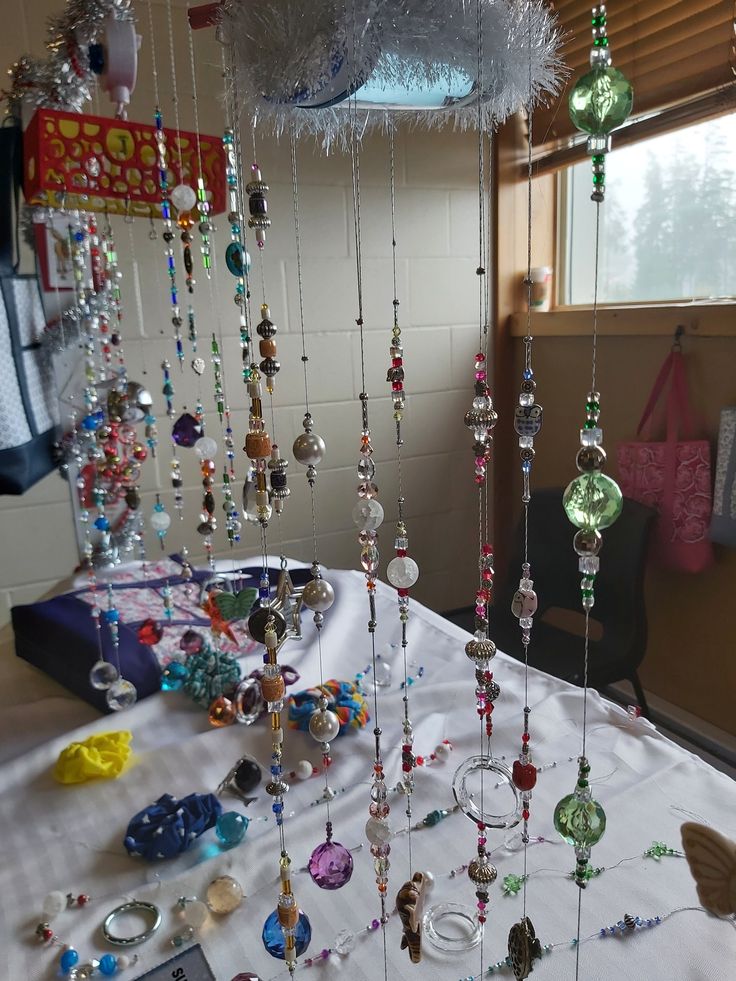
(592, 501)
(580, 821)
(600, 101)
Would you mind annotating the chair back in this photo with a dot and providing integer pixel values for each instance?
(619, 586)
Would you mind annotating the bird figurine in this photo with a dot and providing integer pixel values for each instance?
(410, 906)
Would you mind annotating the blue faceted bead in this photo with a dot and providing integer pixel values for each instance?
(273, 935)
(102, 524)
(231, 828)
(68, 959)
(174, 675)
(108, 964)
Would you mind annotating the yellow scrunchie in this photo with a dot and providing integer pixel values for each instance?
(103, 756)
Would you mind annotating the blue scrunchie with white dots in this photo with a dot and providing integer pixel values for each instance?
(170, 826)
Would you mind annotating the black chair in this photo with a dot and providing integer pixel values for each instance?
(619, 596)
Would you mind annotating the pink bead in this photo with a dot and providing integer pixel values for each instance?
(482, 840)
(480, 376)
(480, 356)
(480, 461)
(487, 550)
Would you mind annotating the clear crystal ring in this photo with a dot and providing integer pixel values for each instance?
(476, 804)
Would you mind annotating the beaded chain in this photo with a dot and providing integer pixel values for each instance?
(527, 424)
(402, 571)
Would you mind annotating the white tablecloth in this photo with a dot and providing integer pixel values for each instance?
(70, 838)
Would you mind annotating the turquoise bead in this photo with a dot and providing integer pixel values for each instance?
(68, 959)
(108, 964)
(231, 828)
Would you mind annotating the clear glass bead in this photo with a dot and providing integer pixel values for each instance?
(589, 563)
(591, 437)
(121, 695)
(368, 514)
(526, 398)
(102, 675)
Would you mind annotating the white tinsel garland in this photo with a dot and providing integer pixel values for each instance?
(292, 58)
(62, 81)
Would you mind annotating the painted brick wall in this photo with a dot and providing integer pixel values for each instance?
(436, 213)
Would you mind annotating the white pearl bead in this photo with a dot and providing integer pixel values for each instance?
(303, 770)
(183, 197)
(402, 572)
(442, 752)
(123, 961)
(324, 726)
(428, 879)
(54, 904)
(196, 914)
(318, 595)
(309, 449)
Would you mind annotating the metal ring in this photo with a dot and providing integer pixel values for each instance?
(136, 906)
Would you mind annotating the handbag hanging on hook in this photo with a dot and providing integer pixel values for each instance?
(673, 476)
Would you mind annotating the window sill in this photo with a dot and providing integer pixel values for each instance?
(716, 319)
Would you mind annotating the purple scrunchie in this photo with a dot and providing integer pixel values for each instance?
(169, 826)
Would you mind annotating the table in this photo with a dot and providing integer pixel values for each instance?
(70, 838)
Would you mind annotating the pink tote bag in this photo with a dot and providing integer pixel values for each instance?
(673, 476)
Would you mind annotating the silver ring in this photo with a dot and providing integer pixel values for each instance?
(136, 906)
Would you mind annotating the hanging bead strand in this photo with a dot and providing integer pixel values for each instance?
(592, 501)
(402, 571)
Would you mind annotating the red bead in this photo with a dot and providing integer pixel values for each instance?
(397, 362)
(481, 919)
(150, 632)
(403, 592)
(479, 479)
(480, 356)
(481, 826)
(82, 899)
(401, 552)
(406, 767)
(486, 575)
(420, 761)
(47, 934)
(524, 775)
(487, 550)
(525, 814)
(525, 737)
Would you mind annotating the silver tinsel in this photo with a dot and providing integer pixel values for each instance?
(63, 79)
(290, 59)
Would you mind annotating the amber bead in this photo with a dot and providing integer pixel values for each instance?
(273, 689)
(221, 713)
(267, 347)
(288, 916)
(258, 446)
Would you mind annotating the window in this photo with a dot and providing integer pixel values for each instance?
(668, 224)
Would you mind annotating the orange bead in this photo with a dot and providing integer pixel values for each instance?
(221, 713)
(288, 916)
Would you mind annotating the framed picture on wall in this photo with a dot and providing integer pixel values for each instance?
(54, 254)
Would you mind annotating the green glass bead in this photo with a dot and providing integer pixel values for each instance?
(600, 101)
(580, 820)
(592, 501)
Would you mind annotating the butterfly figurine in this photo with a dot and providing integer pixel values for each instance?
(236, 606)
(712, 860)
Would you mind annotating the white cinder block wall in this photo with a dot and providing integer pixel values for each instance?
(436, 214)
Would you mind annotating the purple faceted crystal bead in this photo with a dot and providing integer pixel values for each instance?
(186, 430)
(330, 865)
